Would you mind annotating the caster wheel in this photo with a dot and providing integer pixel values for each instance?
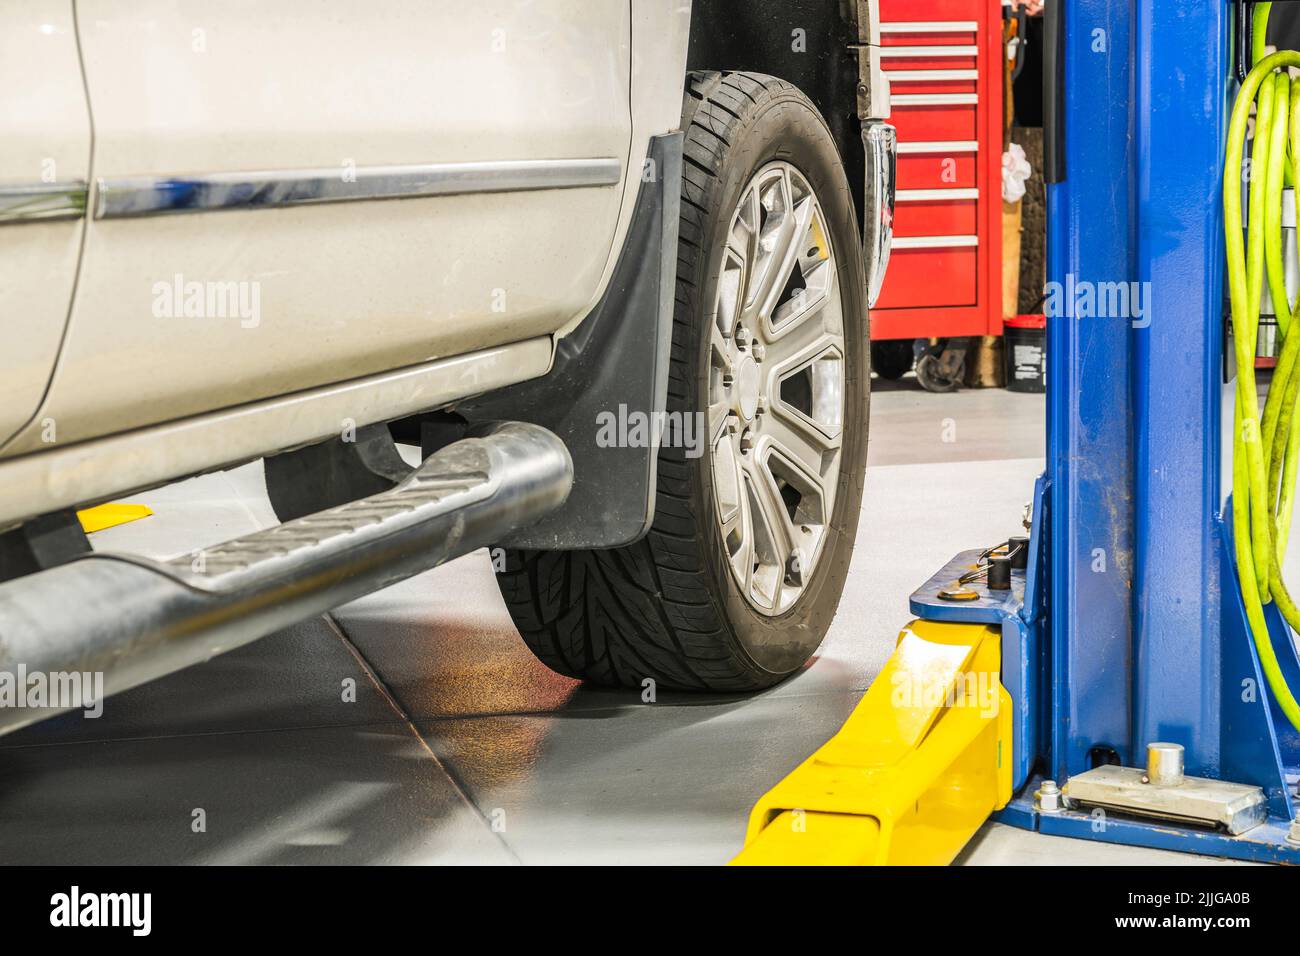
(936, 376)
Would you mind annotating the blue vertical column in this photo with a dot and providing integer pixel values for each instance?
(1182, 69)
(1091, 249)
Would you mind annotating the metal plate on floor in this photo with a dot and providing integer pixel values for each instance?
(1235, 807)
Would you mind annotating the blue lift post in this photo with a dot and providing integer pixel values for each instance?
(1131, 629)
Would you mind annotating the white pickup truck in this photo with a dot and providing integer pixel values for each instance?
(609, 264)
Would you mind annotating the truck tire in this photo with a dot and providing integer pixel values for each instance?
(738, 579)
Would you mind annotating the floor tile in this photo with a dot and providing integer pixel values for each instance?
(653, 784)
(294, 678)
(341, 795)
(912, 426)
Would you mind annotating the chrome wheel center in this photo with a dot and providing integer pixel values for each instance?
(776, 388)
(747, 388)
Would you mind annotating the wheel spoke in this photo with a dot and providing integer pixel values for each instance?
(769, 276)
(719, 414)
(820, 290)
(737, 538)
(746, 561)
(799, 342)
(776, 251)
(808, 447)
(728, 484)
(734, 512)
(730, 289)
(734, 521)
(743, 240)
(771, 512)
(720, 351)
(788, 247)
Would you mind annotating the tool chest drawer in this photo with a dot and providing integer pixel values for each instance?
(936, 212)
(931, 273)
(895, 11)
(934, 118)
(938, 165)
(928, 33)
(908, 82)
(906, 59)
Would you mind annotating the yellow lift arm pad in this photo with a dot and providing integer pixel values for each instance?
(110, 516)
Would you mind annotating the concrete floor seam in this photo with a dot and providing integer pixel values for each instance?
(337, 628)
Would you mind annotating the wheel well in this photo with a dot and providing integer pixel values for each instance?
(815, 44)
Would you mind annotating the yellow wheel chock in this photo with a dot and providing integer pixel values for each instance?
(914, 772)
(110, 516)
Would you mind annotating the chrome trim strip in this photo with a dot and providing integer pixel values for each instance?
(940, 146)
(41, 202)
(935, 242)
(157, 195)
(929, 52)
(930, 26)
(936, 195)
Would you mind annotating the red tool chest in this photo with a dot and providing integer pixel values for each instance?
(944, 62)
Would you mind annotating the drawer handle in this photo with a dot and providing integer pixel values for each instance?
(931, 26)
(935, 99)
(955, 146)
(936, 242)
(929, 52)
(923, 76)
(935, 195)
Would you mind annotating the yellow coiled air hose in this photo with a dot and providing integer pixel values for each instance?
(1265, 452)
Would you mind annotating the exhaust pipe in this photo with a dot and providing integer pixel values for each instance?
(133, 619)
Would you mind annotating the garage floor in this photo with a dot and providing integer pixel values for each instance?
(456, 746)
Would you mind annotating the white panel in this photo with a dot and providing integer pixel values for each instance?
(45, 134)
(346, 290)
